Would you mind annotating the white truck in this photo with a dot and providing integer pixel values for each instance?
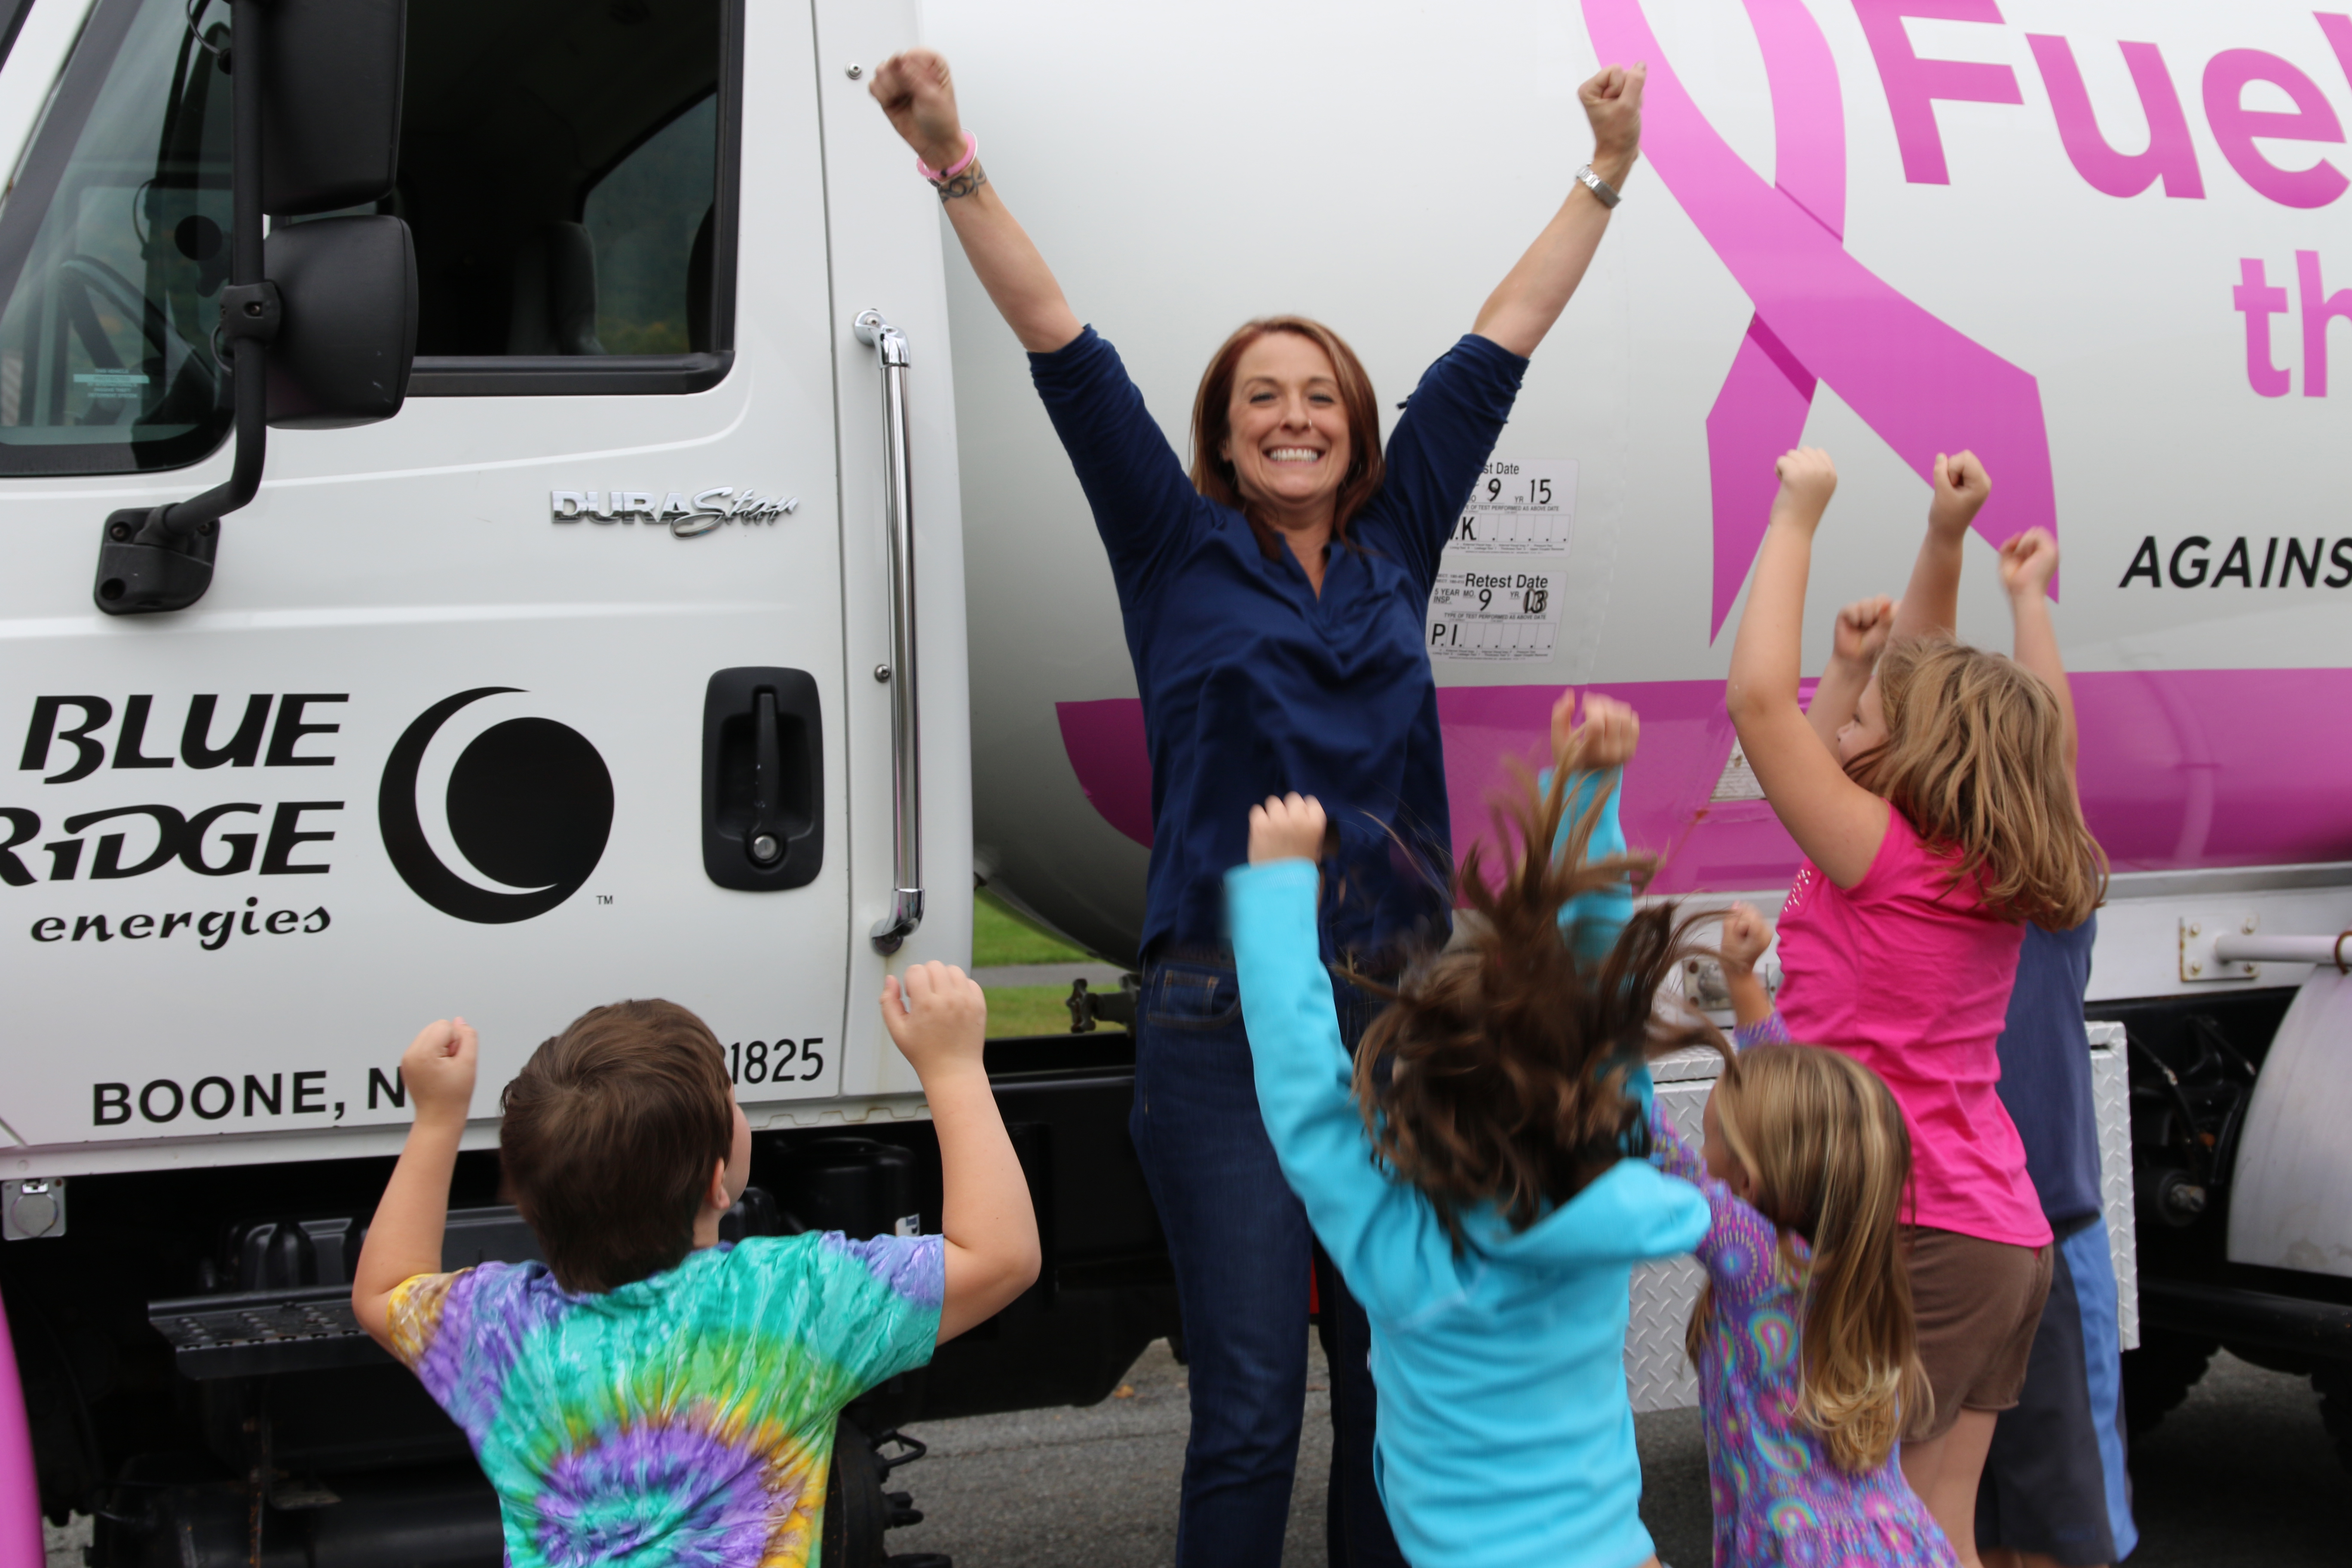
(627, 559)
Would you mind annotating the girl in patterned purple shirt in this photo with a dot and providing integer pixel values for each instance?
(1803, 1334)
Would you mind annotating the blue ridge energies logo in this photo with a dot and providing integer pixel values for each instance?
(529, 806)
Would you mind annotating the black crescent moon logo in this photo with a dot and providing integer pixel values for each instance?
(531, 806)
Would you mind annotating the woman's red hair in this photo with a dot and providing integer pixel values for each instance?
(1212, 473)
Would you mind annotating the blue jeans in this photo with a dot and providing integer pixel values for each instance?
(1242, 1252)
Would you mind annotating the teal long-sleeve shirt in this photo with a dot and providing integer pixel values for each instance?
(1593, 921)
(1514, 1348)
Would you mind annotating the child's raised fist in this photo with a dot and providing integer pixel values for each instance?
(1961, 487)
(2028, 562)
(1288, 827)
(1605, 740)
(438, 1068)
(1862, 628)
(1807, 479)
(1746, 935)
(936, 1016)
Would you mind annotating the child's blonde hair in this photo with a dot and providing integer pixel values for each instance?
(1975, 758)
(1825, 1142)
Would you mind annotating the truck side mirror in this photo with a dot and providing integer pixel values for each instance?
(320, 326)
(347, 328)
(331, 84)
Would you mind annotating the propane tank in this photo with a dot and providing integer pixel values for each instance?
(1813, 250)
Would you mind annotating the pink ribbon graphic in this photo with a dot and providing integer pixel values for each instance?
(1820, 315)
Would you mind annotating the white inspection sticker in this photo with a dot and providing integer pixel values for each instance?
(1737, 781)
(1519, 508)
(1487, 615)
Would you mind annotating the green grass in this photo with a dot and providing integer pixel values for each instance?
(1030, 1010)
(1000, 936)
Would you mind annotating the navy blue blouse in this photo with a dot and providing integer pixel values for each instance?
(1253, 685)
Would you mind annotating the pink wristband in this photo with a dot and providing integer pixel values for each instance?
(970, 151)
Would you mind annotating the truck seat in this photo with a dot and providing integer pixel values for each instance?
(554, 302)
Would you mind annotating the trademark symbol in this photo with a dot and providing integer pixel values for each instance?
(604, 898)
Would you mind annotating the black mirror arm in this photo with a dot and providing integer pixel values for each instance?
(162, 558)
(249, 317)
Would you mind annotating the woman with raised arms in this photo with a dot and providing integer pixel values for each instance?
(1274, 600)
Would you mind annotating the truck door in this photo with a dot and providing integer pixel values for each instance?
(528, 699)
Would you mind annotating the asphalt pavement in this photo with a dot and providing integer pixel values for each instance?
(2241, 1475)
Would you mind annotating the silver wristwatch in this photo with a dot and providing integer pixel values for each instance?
(1599, 186)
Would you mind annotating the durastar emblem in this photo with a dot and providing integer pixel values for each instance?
(687, 515)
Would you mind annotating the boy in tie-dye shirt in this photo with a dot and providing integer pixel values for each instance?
(650, 1395)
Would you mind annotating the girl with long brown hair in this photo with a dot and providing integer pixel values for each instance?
(1803, 1335)
(1931, 790)
(1477, 1171)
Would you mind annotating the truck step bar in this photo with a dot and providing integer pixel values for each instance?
(2249, 1317)
(253, 1333)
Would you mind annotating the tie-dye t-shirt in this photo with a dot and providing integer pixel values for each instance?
(683, 1419)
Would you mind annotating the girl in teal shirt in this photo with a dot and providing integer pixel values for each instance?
(1489, 1200)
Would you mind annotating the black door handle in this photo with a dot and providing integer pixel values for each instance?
(763, 779)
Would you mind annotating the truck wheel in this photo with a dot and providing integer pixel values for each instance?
(2334, 1383)
(855, 1512)
(2159, 1375)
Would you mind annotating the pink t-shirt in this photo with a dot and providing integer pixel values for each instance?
(1912, 978)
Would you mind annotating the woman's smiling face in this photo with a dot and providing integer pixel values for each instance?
(1287, 432)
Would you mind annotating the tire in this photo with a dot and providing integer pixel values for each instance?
(2159, 1375)
(855, 1512)
(2332, 1382)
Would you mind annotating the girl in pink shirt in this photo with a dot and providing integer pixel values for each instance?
(1931, 791)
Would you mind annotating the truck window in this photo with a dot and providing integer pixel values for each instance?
(113, 247)
(559, 170)
(649, 221)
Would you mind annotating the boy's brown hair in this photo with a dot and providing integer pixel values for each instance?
(612, 1130)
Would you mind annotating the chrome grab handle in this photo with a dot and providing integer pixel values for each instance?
(892, 930)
